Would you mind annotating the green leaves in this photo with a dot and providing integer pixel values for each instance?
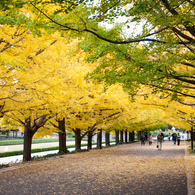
(136, 19)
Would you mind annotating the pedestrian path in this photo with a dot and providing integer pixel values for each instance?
(129, 169)
(36, 145)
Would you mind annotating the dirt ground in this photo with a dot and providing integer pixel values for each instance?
(122, 170)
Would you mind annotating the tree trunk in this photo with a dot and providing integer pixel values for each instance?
(62, 136)
(77, 139)
(192, 139)
(99, 139)
(7, 133)
(28, 135)
(121, 140)
(107, 138)
(138, 135)
(133, 136)
(117, 136)
(130, 136)
(89, 143)
(125, 136)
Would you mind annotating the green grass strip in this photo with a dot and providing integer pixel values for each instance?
(21, 141)
(35, 150)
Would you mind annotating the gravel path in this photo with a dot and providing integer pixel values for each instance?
(129, 169)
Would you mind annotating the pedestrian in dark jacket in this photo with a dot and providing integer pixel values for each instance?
(146, 137)
(159, 141)
(169, 137)
(142, 139)
(174, 138)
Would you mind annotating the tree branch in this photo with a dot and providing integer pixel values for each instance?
(96, 34)
(184, 80)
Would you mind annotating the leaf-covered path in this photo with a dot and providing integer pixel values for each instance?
(124, 169)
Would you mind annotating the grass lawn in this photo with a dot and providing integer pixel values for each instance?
(35, 150)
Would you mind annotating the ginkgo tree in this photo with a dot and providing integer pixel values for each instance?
(172, 112)
(87, 106)
(28, 83)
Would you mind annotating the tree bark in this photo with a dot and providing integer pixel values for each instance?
(29, 131)
(130, 136)
(99, 139)
(107, 138)
(77, 139)
(62, 136)
(89, 143)
(117, 136)
(28, 135)
(125, 136)
(121, 136)
(7, 133)
(138, 135)
(133, 136)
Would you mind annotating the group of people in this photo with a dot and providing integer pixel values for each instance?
(176, 137)
(146, 137)
(160, 139)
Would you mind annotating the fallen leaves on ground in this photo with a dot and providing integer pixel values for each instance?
(124, 169)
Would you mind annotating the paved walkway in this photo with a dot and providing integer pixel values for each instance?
(129, 169)
(38, 145)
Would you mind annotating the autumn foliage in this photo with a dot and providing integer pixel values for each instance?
(58, 65)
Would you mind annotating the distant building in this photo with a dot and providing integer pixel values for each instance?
(173, 129)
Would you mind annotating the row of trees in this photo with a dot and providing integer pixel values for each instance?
(42, 78)
(46, 91)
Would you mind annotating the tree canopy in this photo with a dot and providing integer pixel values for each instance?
(160, 56)
(75, 65)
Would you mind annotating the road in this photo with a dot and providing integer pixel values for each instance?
(129, 169)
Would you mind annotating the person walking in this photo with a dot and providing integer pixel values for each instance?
(146, 136)
(174, 138)
(159, 141)
(163, 137)
(178, 139)
(169, 137)
(142, 140)
(150, 139)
